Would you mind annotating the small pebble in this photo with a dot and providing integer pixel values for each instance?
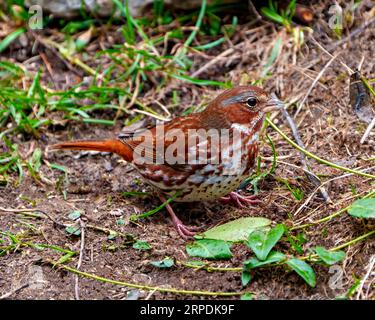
(108, 166)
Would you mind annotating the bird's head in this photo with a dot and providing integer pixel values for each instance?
(244, 105)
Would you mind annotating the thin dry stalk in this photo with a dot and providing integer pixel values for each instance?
(365, 278)
(323, 184)
(221, 56)
(368, 130)
(81, 251)
(314, 83)
(353, 34)
(10, 293)
(307, 168)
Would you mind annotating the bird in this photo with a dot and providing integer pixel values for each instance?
(203, 156)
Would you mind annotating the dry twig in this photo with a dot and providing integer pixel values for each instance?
(353, 34)
(368, 130)
(81, 250)
(368, 273)
(314, 83)
(306, 167)
(8, 294)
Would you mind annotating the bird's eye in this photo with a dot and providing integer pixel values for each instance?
(251, 102)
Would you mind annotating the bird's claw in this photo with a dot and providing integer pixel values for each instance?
(239, 200)
(186, 232)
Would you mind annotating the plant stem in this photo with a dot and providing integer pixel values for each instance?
(349, 243)
(342, 246)
(208, 268)
(326, 162)
(153, 211)
(145, 287)
(327, 218)
(367, 84)
(192, 35)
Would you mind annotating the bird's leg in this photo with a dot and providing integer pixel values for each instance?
(240, 200)
(184, 231)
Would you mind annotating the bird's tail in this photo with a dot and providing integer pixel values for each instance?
(111, 145)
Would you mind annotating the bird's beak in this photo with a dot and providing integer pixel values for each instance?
(273, 104)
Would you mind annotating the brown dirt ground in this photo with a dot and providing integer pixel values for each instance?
(95, 182)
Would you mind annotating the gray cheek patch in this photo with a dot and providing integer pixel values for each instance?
(242, 97)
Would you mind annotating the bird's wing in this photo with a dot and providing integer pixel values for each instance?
(166, 141)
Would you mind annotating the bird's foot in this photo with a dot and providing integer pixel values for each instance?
(239, 200)
(186, 232)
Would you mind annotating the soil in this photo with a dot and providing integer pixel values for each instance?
(95, 182)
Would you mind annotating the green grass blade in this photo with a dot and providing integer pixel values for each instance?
(10, 38)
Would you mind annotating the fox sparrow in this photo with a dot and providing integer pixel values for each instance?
(199, 157)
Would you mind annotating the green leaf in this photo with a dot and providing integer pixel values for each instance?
(73, 27)
(329, 257)
(120, 222)
(290, 9)
(363, 208)
(236, 230)
(272, 15)
(141, 245)
(58, 167)
(262, 242)
(199, 82)
(273, 257)
(304, 271)
(163, 264)
(37, 246)
(99, 121)
(245, 278)
(297, 241)
(352, 290)
(10, 38)
(66, 257)
(35, 159)
(74, 230)
(209, 249)
(112, 235)
(74, 215)
(274, 53)
(197, 25)
(247, 296)
(210, 44)
(135, 193)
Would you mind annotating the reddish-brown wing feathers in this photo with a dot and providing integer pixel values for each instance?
(173, 132)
